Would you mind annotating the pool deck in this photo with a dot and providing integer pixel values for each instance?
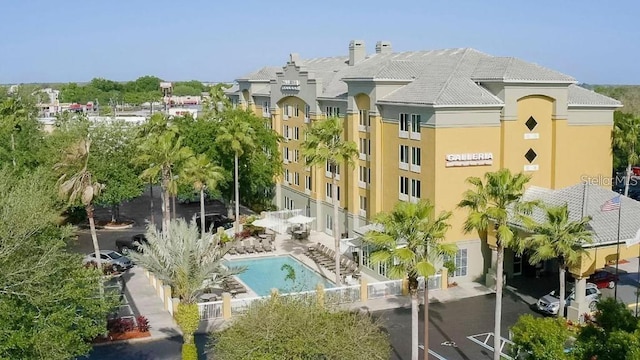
(285, 245)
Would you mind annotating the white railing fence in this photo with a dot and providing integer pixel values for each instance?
(240, 306)
(210, 310)
(280, 218)
(384, 289)
(342, 295)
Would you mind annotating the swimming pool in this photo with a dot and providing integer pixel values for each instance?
(264, 274)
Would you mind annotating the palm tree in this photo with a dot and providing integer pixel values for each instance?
(76, 183)
(203, 175)
(237, 134)
(489, 204)
(626, 138)
(12, 112)
(557, 237)
(161, 153)
(410, 241)
(325, 144)
(189, 264)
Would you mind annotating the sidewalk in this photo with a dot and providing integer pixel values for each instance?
(145, 301)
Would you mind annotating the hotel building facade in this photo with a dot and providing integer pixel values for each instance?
(424, 121)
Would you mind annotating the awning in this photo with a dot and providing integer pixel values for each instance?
(299, 219)
(265, 223)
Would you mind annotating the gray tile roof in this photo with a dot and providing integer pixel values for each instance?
(587, 200)
(264, 90)
(265, 74)
(447, 77)
(233, 89)
(512, 69)
(579, 96)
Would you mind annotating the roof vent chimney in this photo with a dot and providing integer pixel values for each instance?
(294, 58)
(357, 52)
(383, 47)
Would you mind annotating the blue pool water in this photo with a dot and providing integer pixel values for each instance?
(264, 274)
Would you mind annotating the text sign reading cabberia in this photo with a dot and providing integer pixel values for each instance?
(472, 159)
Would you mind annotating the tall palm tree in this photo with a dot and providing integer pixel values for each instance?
(203, 175)
(161, 153)
(189, 264)
(492, 203)
(557, 237)
(410, 241)
(625, 137)
(237, 134)
(12, 113)
(76, 183)
(325, 144)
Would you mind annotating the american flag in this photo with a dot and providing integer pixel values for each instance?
(613, 204)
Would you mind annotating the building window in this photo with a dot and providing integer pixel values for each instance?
(329, 191)
(415, 126)
(296, 111)
(285, 110)
(285, 154)
(328, 224)
(461, 263)
(296, 133)
(365, 177)
(365, 148)
(307, 183)
(365, 122)
(285, 132)
(531, 123)
(404, 125)
(286, 176)
(307, 111)
(415, 189)
(266, 108)
(415, 159)
(404, 188)
(404, 157)
(332, 111)
(296, 155)
(363, 203)
(296, 179)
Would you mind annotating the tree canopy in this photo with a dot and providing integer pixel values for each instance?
(287, 328)
(49, 303)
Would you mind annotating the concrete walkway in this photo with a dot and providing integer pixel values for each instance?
(144, 301)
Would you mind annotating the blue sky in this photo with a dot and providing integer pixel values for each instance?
(74, 40)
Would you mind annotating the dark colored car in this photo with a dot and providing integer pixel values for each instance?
(125, 245)
(601, 278)
(213, 221)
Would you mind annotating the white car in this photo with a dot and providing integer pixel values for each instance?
(550, 303)
(117, 261)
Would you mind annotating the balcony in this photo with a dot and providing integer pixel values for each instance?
(403, 134)
(362, 213)
(362, 185)
(403, 166)
(363, 128)
(363, 157)
(415, 135)
(403, 197)
(415, 168)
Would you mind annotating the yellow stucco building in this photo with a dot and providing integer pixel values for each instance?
(424, 121)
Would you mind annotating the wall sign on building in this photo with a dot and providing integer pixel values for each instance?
(290, 85)
(471, 159)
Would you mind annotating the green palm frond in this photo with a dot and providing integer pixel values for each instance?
(201, 173)
(324, 143)
(411, 241)
(184, 260)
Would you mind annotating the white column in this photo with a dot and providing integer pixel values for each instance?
(490, 276)
(578, 307)
(278, 196)
(320, 216)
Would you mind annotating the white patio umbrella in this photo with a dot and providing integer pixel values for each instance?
(299, 219)
(265, 223)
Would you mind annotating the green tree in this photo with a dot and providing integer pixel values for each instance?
(203, 175)
(288, 328)
(410, 242)
(626, 140)
(21, 137)
(77, 184)
(325, 144)
(236, 133)
(113, 144)
(489, 204)
(539, 338)
(558, 237)
(49, 309)
(613, 335)
(189, 264)
(161, 152)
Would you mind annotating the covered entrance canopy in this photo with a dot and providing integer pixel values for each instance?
(606, 213)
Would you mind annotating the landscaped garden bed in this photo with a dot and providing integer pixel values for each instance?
(125, 328)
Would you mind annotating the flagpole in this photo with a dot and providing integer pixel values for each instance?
(615, 291)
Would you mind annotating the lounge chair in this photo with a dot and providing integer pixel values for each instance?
(249, 249)
(258, 247)
(267, 247)
(232, 251)
(240, 249)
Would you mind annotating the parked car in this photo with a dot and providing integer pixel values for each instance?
(125, 245)
(550, 303)
(117, 261)
(602, 279)
(214, 221)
